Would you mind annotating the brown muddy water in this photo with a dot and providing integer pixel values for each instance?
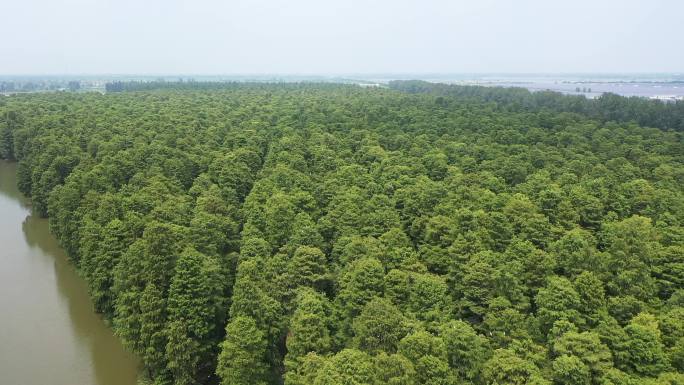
(49, 333)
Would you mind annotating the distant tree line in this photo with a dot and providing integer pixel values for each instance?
(607, 107)
(38, 85)
(192, 85)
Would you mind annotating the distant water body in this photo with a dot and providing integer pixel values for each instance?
(653, 90)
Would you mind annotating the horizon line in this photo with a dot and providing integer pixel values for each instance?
(343, 74)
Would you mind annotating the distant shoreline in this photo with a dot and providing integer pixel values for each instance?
(661, 86)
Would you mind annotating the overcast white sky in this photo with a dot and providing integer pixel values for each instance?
(339, 37)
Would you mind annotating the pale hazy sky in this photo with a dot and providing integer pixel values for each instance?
(339, 37)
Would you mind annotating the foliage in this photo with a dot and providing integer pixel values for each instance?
(254, 233)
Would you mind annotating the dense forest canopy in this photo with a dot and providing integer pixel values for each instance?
(334, 234)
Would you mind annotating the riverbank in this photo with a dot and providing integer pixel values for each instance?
(49, 333)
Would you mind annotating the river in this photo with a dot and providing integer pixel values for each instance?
(49, 333)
